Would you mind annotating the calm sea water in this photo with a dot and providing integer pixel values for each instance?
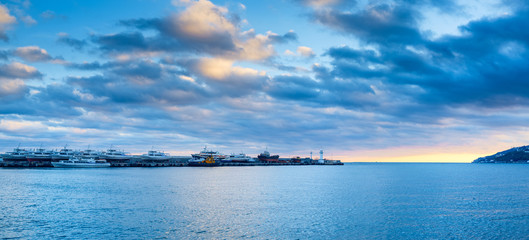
(355, 201)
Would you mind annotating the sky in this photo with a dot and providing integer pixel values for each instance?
(409, 80)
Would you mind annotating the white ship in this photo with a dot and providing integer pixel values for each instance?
(114, 154)
(18, 154)
(156, 156)
(238, 158)
(64, 154)
(76, 162)
(90, 153)
(207, 153)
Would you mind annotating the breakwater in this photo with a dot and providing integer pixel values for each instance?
(172, 162)
(44, 158)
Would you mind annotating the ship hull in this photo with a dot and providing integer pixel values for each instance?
(80, 165)
(202, 164)
(271, 159)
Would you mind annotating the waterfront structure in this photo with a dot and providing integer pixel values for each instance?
(41, 157)
(321, 161)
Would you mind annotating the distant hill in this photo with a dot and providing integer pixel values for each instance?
(513, 155)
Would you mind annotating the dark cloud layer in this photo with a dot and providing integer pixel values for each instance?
(483, 67)
(18, 70)
(72, 42)
(159, 75)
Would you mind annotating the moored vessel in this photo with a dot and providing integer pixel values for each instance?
(155, 159)
(18, 154)
(209, 161)
(238, 158)
(206, 153)
(116, 157)
(40, 157)
(267, 158)
(76, 162)
(63, 154)
(89, 153)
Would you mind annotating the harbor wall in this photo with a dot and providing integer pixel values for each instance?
(177, 161)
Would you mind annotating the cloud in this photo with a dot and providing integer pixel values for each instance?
(323, 4)
(11, 88)
(201, 28)
(386, 24)
(397, 71)
(12, 76)
(72, 42)
(5, 21)
(305, 51)
(28, 20)
(19, 70)
(33, 54)
(50, 15)
(287, 37)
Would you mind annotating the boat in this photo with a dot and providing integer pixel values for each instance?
(76, 162)
(238, 158)
(18, 154)
(40, 157)
(90, 153)
(156, 155)
(155, 159)
(206, 153)
(209, 161)
(115, 157)
(114, 154)
(267, 158)
(63, 154)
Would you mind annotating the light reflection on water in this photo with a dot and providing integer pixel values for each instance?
(287, 202)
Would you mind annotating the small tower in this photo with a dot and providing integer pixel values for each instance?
(310, 155)
(321, 157)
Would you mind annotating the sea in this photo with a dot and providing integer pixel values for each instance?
(354, 201)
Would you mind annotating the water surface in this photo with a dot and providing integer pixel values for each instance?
(355, 201)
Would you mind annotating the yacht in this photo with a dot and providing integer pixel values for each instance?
(18, 154)
(114, 154)
(156, 155)
(238, 158)
(206, 153)
(63, 154)
(76, 162)
(40, 157)
(90, 153)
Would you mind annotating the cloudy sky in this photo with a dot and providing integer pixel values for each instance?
(413, 80)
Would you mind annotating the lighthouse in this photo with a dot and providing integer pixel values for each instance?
(321, 157)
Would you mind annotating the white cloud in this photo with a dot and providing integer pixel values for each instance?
(28, 20)
(289, 53)
(305, 51)
(204, 19)
(221, 69)
(5, 21)
(18, 70)
(33, 54)
(5, 18)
